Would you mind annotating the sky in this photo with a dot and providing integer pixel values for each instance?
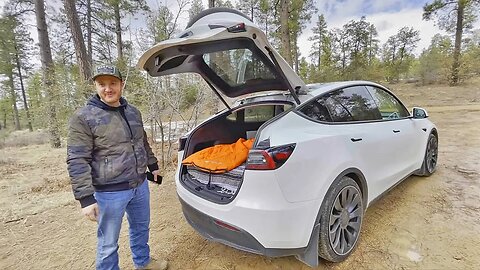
(388, 16)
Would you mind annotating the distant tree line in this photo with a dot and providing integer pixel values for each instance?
(79, 34)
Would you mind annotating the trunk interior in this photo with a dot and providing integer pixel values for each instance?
(226, 128)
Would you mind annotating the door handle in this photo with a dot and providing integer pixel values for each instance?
(396, 131)
(356, 139)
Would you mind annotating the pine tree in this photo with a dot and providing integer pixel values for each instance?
(453, 16)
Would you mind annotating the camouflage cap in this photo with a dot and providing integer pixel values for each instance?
(107, 71)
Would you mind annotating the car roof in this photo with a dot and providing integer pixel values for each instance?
(316, 89)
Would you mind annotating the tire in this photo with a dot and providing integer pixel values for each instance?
(341, 216)
(429, 165)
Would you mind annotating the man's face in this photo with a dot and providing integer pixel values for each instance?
(109, 89)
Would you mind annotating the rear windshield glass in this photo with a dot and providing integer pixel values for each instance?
(238, 66)
(258, 114)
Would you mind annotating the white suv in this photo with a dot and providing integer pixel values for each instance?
(322, 152)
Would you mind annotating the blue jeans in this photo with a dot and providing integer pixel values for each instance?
(112, 206)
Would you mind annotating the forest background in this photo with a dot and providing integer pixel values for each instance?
(43, 81)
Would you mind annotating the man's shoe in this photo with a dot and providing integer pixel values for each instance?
(155, 265)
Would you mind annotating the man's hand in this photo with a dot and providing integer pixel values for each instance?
(91, 212)
(155, 173)
(155, 177)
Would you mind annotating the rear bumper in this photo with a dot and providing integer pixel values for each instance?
(206, 226)
(259, 210)
(241, 239)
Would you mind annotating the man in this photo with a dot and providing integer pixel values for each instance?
(107, 156)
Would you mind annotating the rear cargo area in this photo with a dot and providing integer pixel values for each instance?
(226, 128)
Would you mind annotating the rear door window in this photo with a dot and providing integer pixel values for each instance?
(352, 104)
(344, 105)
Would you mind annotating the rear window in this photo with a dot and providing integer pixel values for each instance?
(238, 66)
(257, 114)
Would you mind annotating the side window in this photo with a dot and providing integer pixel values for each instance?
(351, 104)
(388, 105)
(317, 111)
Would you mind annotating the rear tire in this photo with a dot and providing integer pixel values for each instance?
(429, 165)
(341, 216)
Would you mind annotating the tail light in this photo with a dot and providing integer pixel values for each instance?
(269, 159)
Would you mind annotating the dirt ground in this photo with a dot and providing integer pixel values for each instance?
(424, 223)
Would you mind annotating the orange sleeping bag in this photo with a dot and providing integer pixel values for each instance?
(222, 157)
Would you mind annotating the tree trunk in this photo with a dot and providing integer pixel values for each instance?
(458, 43)
(251, 11)
(370, 49)
(285, 48)
(118, 31)
(80, 50)
(13, 97)
(25, 104)
(89, 33)
(48, 71)
(296, 54)
(211, 3)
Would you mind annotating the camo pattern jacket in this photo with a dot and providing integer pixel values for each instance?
(107, 149)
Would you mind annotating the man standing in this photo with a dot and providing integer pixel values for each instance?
(107, 156)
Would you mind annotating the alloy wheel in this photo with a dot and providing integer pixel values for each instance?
(432, 154)
(345, 220)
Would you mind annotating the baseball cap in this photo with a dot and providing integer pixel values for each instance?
(108, 71)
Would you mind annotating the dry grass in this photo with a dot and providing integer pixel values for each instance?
(52, 185)
(23, 138)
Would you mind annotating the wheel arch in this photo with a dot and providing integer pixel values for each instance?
(434, 132)
(310, 256)
(359, 178)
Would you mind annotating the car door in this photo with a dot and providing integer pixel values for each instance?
(357, 117)
(379, 139)
(353, 117)
(403, 132)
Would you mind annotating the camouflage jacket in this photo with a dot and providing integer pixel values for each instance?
(107, 149)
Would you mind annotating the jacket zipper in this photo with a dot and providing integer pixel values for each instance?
(105, 170)
(131, 139)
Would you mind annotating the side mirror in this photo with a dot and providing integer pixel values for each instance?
(419, 113)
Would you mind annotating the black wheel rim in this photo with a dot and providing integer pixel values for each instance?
(345, 220)
(432, 154)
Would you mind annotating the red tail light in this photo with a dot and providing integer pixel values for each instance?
(269, 159)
